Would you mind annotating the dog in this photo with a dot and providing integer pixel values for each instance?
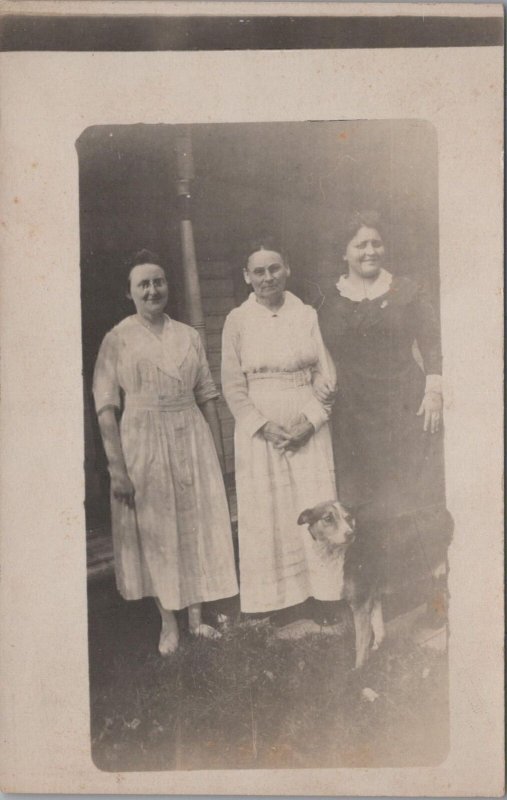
(373, 564)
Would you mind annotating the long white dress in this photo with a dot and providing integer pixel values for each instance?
(176, 543)
(268, 363)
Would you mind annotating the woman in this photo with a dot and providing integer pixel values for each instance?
(272, 353)
(387, 420)
(171, 530)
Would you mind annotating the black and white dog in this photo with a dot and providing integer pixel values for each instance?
(368, 561)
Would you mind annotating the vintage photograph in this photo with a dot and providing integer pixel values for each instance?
(251, 367)
(267, 529)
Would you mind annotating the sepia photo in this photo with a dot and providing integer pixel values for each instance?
(251, 347)
(322, 388)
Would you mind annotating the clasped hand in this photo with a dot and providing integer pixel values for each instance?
(288, 440)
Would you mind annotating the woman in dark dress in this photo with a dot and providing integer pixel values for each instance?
(387, 419)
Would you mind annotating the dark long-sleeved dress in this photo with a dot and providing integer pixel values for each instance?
(387, 467)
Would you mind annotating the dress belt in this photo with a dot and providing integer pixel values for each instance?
(160, 402)
(300, 377)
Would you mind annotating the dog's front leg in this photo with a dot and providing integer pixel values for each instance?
(362, 625)
(377, 623)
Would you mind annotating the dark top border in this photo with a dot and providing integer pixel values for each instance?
(127, 33)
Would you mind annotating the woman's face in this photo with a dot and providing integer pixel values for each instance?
(365, 253)
(148, 289)
(267, 274)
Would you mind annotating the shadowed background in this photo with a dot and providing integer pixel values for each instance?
(297, 181)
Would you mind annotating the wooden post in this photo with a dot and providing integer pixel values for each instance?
(185, 172)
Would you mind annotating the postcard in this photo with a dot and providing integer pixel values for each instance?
(252, 340)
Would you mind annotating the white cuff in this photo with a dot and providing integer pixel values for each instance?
(434, 384)
(253, 422)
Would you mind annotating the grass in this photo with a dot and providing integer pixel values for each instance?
(251, 700)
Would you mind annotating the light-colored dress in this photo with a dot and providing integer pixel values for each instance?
(176, 544)
(268, 363)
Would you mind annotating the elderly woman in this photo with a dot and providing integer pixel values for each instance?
(273, 356)
(387, 419)
(171, 531)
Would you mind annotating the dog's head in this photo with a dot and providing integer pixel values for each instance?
(330, 523)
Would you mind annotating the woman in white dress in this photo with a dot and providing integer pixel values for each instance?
(273, 364)
(170, 520)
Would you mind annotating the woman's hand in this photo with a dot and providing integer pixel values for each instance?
(324, 392)
(431, 407)
(301, 431)
(275, 434)
(122, 487)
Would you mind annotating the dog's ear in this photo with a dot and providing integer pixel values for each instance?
(305, 517)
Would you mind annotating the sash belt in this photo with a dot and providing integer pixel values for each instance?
(301, 377)
(160, 403)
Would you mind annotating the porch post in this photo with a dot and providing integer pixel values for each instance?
(185, 174)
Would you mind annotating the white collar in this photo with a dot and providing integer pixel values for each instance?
(370, 291)
(288, 303)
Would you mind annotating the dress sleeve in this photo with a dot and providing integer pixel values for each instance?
(428, 334)
(106, 389)
(316, 412)
(204, 388)
(234, 382)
